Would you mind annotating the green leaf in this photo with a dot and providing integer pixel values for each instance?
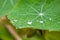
(37, 14)
(6, 6)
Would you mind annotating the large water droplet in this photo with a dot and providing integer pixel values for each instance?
(41, 14)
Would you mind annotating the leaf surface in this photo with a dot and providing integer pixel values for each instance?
(6, 6)
(37, 14)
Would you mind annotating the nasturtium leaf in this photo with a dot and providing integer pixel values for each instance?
(40, 14)
(37, 14)
(6, 6)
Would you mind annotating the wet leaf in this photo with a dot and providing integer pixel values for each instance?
(37, 14)
(6, 6)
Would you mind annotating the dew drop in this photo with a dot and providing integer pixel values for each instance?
(15, 20)
(29, 22)
(41, 21)
(41, 14)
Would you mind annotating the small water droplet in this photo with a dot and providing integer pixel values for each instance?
(41, 21)
(29, 22)
(15, 20)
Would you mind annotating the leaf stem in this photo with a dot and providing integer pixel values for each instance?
(4, 21)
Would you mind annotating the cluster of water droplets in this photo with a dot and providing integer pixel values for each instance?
(40, 14)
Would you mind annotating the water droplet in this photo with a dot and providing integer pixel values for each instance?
(41, 21)
(41, 14)
(29, 22)
(15, 20)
